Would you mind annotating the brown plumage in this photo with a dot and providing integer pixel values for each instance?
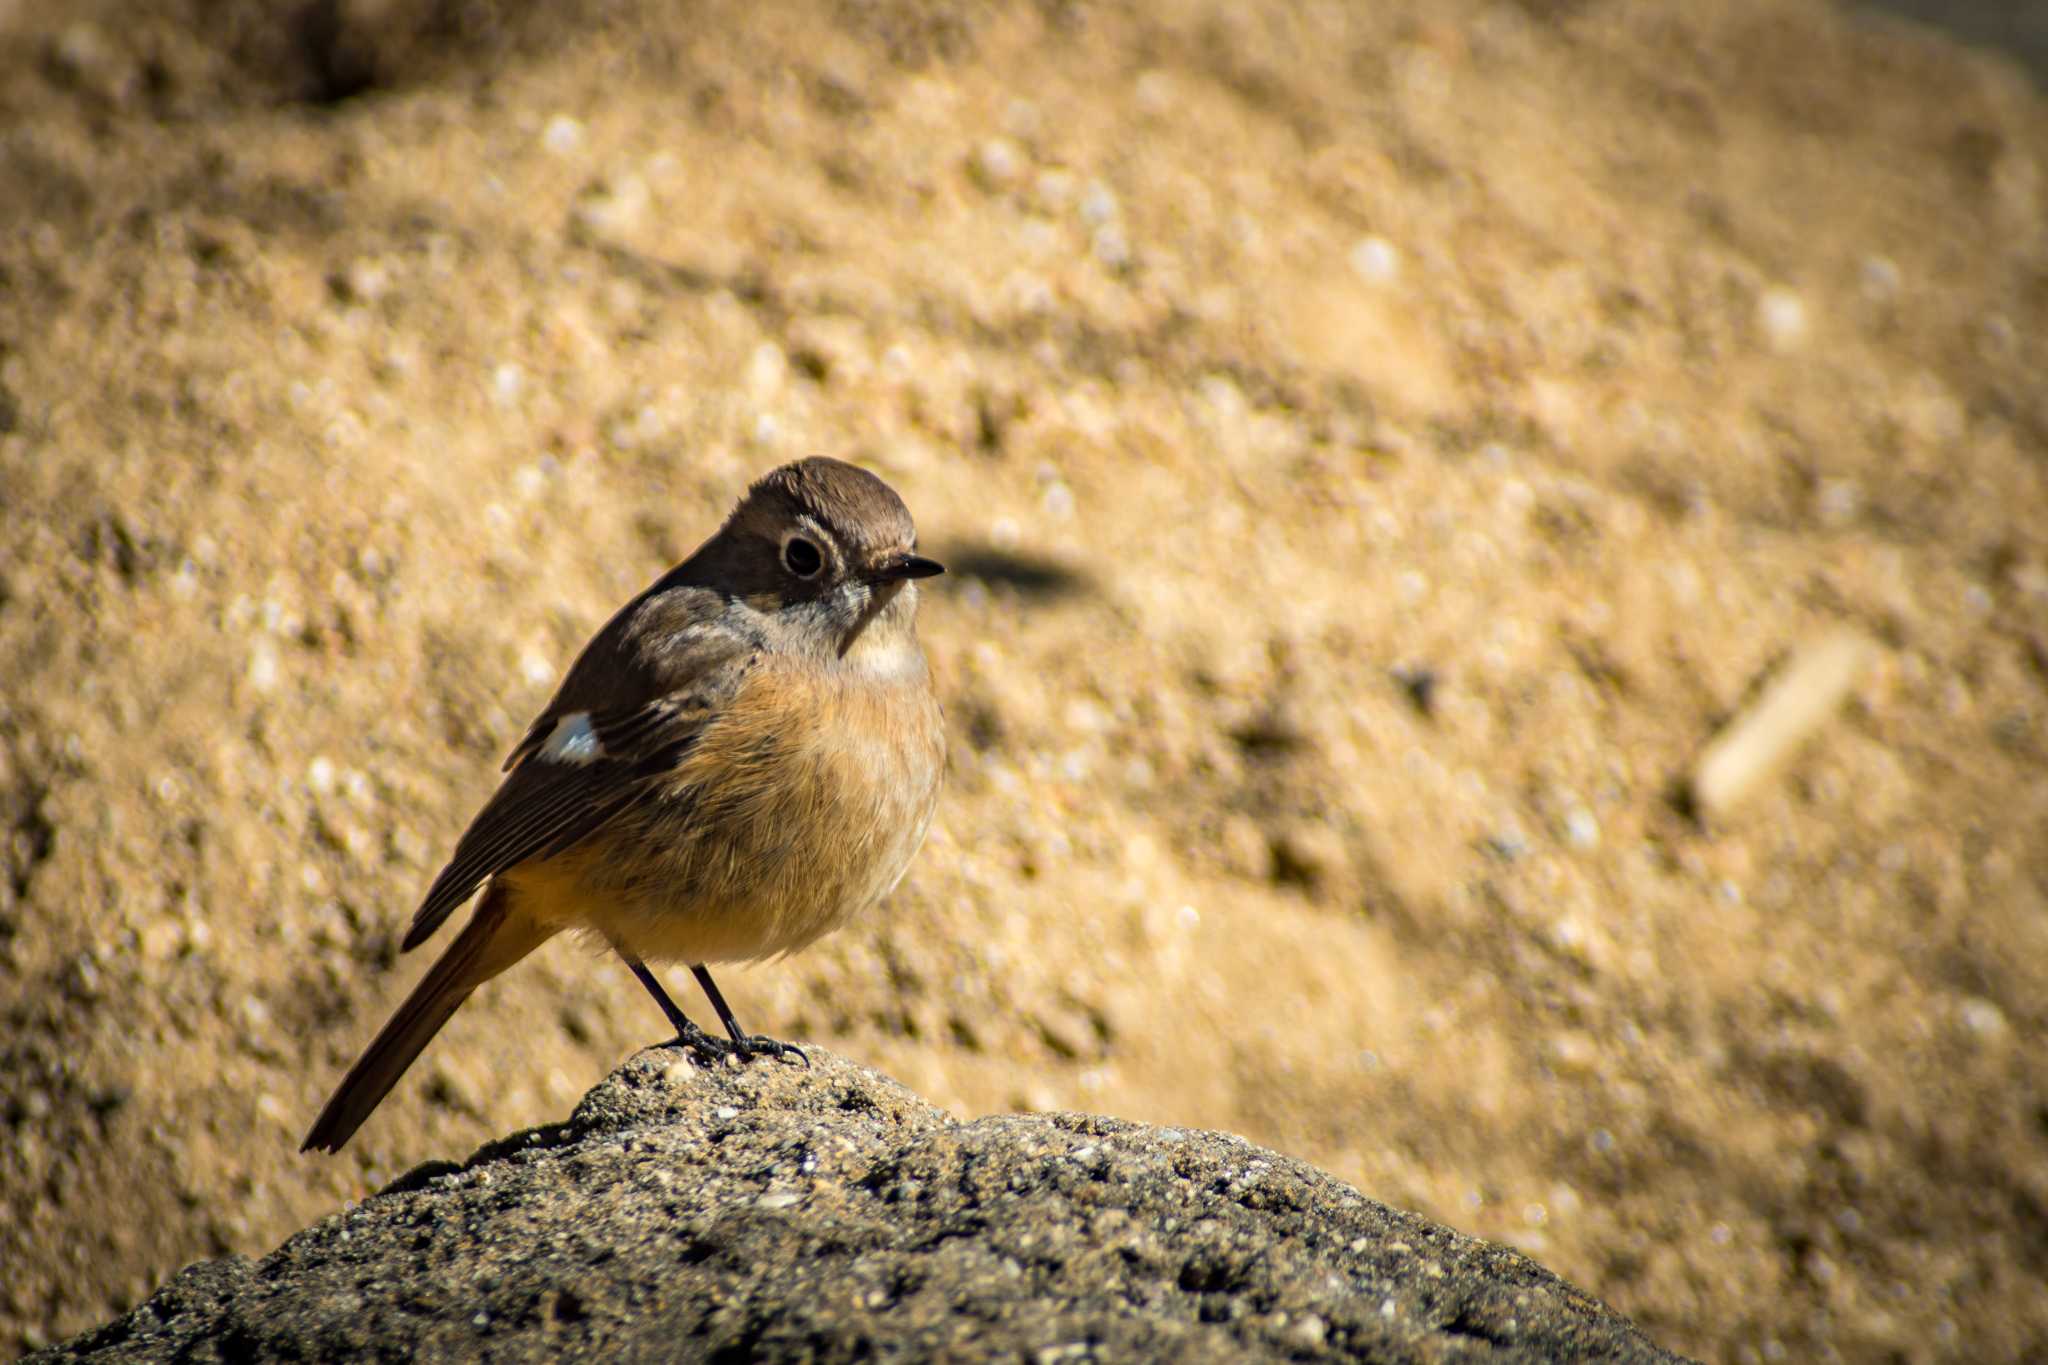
(743, 758)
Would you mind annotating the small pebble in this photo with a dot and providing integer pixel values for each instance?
(562, 136)
(998, 163)
(1098, 205)
(1783, 316)
(262, 670)
(767, 371)
(1982, 1017)
(1055, 189)
(507, 380)
(1376, 260)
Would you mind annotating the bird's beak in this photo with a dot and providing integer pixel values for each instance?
(896, 568)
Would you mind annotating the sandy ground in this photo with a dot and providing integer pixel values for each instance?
(1378, 448)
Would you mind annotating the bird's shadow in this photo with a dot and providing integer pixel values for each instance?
(1030, 575)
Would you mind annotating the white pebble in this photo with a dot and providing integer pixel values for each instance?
(1376, 260)
(262, 671)
(1982, 1018)
(1783, 316)
(1838, 501)
(767, 369)
(1084, 715)
(1154, 92)
(997, 162)
(320, 775)
(1055, 188)
(563, 135)
(1098, 205)
(368, 280)
(506, 382)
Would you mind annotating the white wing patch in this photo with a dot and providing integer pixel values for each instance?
(573, 741)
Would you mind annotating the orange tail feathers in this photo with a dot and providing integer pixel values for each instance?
(493, 940)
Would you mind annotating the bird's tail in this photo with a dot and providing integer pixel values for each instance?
(495, 938)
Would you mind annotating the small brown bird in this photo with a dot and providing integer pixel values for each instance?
(744, 758)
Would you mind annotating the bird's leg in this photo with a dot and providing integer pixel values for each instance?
(687, 1033)
(747, 1045)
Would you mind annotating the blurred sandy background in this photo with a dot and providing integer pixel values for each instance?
(1377, 447)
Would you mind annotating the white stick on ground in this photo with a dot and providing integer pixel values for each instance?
(1753, 745)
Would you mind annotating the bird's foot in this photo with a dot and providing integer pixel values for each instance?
(712, 1050)
(752, 1045)
(703, 1046)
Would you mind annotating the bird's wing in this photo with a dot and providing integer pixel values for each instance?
(576, 770)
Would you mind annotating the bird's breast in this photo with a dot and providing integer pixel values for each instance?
(800, 806)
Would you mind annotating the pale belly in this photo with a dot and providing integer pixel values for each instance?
(766, 845)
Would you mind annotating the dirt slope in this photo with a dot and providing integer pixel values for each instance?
(1264, 377)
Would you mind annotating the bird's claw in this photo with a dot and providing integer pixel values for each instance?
(760, 1045)
(714, 1051)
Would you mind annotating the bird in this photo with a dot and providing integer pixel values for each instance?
(743, 759)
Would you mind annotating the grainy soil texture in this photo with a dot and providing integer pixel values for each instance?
(1377, 447)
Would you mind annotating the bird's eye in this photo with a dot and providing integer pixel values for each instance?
(801, 557)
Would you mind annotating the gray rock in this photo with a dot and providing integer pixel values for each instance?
(777, 1213)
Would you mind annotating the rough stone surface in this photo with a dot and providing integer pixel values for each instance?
(776, 1213)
